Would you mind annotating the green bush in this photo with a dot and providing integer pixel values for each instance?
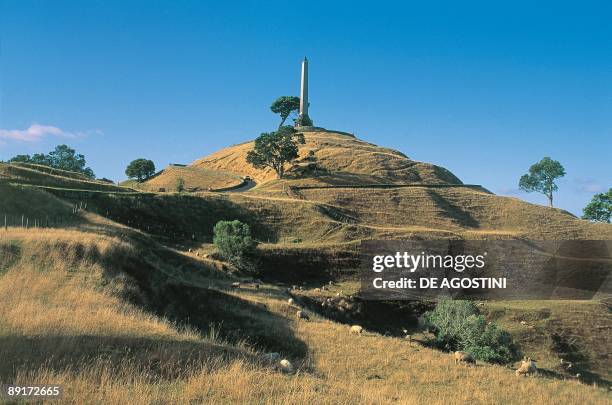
(179, 185)
(234, 243)
(457, 325)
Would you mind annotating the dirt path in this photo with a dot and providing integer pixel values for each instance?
(249, 184)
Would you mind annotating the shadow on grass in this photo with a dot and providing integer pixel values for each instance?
(154, 358)
(159, 281)
(453, 211)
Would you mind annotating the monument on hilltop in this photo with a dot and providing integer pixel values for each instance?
(303, 120)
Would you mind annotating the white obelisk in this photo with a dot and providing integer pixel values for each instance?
(303, 118)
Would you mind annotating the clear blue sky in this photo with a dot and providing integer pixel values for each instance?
(482, 88)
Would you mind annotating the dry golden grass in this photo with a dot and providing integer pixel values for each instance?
(193, 178)
(59, 324)
(44, 176)
(356, 161)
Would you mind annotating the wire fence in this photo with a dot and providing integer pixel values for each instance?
(34, 221)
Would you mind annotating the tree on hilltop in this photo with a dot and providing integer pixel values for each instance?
(600, 208)
(141, 169)
(284, 106)
(62, 157)
(274, 149)
(541, 178)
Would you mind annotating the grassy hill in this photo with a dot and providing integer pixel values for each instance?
(44, 176)
(113, 294)
(112, 317)
(194, 179)
(345, 157)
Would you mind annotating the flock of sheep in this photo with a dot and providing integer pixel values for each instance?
(527, 366)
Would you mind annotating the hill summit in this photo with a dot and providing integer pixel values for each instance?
(339, 154)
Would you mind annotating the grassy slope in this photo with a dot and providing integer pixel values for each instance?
(577, 331)
(64, 319)
(353, 160)
(193, 178)
(330, 217)
(44, 176)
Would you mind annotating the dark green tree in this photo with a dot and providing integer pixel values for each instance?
(541, 178)
(62, 157)
(284, 106)
(140, 169)
(65, 158)
(600, 208)
(234, 243)
(274, 149)
(20, 159)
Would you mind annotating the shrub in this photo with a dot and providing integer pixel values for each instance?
(457, 325)
(234, 243)
(179, 186)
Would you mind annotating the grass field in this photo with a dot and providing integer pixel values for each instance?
(119, 298)
(65, 320)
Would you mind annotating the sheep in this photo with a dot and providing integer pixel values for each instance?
(331, 283)
(356, 330)
(302, 315)
(527, 366)
(290, 301)
(286, 366)
(524, 323)
(464, 357)
(480, 304)
(271, 357)
(235, 284)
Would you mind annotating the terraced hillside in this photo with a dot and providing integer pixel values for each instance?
(43, 176)
(194, 179)
(340, 158)
(122, 300)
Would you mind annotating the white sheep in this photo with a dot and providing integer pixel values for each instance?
(236, 284)
(356, 330)
(286, 366)
(302, 315)
(290, 301)
(524, 323)
(464, 357)
(527, 366)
